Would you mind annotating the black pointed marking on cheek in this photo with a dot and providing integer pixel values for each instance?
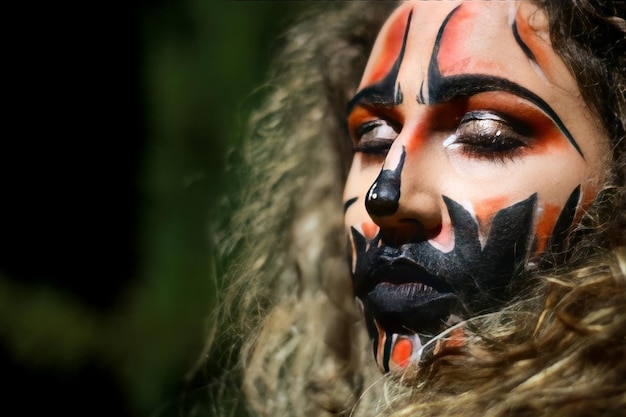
(566, 218)
(359, 243)
(348, 203)
(562, 227)
(383, 197)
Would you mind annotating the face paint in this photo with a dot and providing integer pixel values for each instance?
(473, 156)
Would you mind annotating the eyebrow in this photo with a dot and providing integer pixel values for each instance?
(455, 87)
(372, 96)
(384, 93)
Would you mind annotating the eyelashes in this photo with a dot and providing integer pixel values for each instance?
(481, 135)
(375, 137)
(486, 135)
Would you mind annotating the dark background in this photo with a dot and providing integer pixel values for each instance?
(119, 119)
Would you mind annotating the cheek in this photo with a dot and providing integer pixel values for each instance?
(364, 171)
(546, 220)
(554, 177)
(485, 209)
(550, 171)
(553, 220)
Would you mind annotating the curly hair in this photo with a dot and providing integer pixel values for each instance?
(288, 316)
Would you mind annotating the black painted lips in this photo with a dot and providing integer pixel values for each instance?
(404, 298)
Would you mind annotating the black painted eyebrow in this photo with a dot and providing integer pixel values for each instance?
(383, 93)
(372, 96)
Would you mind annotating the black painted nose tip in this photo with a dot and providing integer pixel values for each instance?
(384, 195)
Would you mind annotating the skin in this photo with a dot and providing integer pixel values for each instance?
(474, 154)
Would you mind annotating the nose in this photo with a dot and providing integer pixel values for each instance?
(402, 204)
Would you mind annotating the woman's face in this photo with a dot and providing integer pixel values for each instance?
(474, 154)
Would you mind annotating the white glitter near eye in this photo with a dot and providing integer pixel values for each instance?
(449, 140)
(512, 14)
(386, 132)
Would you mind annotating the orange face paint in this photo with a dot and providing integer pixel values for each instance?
(540, 49)
(545, 225)
(457, 43)
(549, 137)
(370, 230)
(391, 47)
(402, 351)
(486, 209)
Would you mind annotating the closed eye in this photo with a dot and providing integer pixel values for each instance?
(375, 137)
(487, 135)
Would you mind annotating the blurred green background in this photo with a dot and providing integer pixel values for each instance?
(121, 120)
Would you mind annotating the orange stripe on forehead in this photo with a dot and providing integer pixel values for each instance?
(391, 46)
(468, 24)
(453, 41)
(535, 44)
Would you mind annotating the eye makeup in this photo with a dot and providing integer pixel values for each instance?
(375, 137)
(486, 135)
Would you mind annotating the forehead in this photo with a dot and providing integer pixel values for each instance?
(432, 52)
(501, 38)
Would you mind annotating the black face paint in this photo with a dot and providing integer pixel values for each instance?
(414, 288)
(385, 93)
(566, 218)
(383, 196)
(560, 233)
(529, 54)
(348, 203)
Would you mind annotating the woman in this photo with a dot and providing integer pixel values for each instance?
(479, 176)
